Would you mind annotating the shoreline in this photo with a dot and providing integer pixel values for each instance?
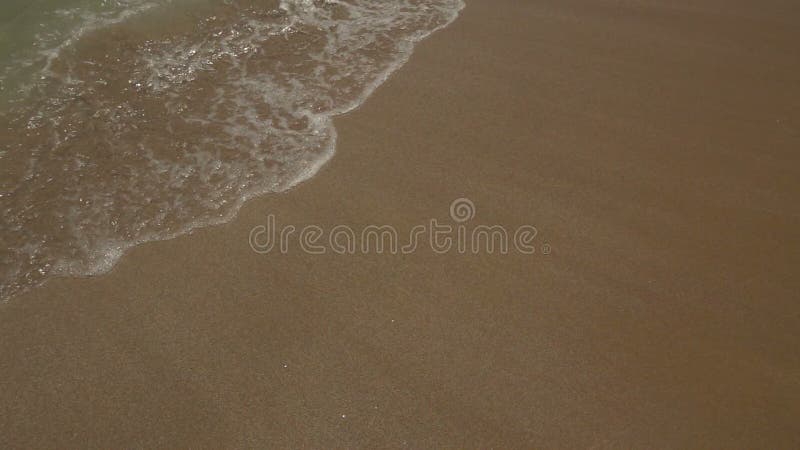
(276, 154)
(106, 263)
(632, 137)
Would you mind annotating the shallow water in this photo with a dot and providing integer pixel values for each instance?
(131, 121)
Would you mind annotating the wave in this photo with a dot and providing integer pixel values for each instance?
(149, 123)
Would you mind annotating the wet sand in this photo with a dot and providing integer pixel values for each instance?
(653, 145)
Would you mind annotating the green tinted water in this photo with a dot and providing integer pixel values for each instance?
(30, 30)
(25, 26)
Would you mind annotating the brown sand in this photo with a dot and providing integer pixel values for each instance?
(654, 145)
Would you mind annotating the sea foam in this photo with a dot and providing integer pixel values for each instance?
(157, 119)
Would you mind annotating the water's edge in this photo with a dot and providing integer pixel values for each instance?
(113, 254)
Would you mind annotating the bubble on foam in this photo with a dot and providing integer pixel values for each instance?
(138, 136)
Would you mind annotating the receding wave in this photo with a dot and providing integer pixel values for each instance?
(159, 117)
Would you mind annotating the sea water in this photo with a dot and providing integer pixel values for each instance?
(127, 121)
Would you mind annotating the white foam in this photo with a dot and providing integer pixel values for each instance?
(239, 106)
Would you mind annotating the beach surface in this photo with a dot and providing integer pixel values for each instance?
(654, 146)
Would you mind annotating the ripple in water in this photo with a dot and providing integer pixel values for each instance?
(158, 119)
